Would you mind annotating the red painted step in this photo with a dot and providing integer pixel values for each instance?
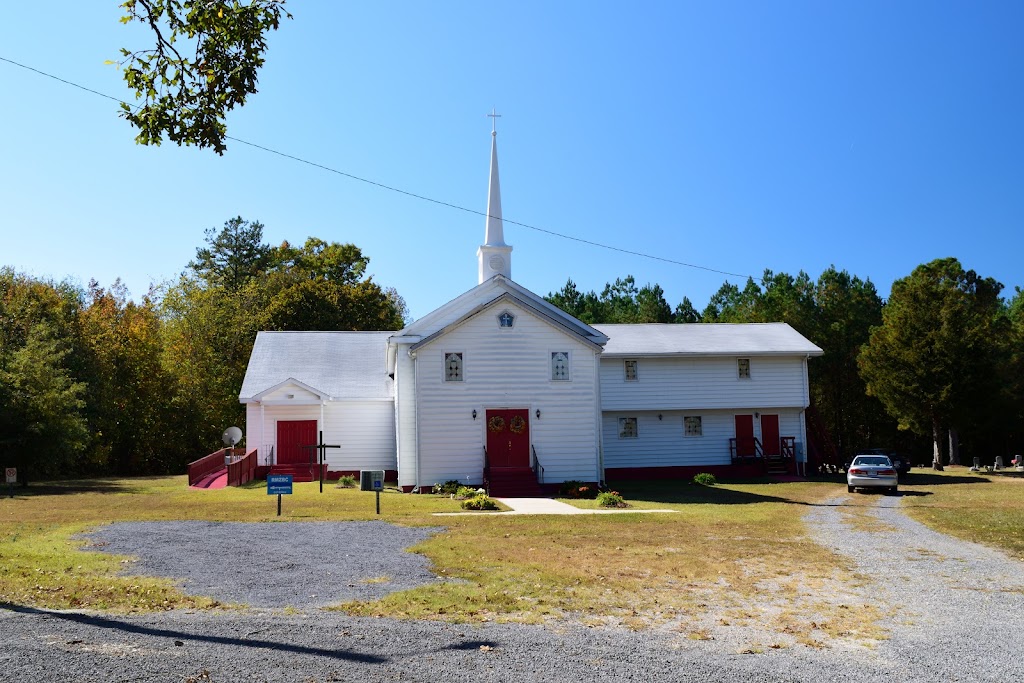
(299, 473)
(514, 482)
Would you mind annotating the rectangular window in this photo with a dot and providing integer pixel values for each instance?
(692, 426)
(560, 366)
(743, 367)
(453, 367)
(630, 369)
(627, 428)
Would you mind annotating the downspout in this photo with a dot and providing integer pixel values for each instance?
(416, 441)
(263, 433)
(803, 414)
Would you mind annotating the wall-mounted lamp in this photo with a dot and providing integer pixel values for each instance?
(757, 416)
(659, 416)
(537, 413)
(474, 413)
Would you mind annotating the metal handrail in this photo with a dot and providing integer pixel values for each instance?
(535, 465)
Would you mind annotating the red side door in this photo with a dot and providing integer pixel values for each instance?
(745, 436)
(770, 434)
(292, 435)
(508, 437)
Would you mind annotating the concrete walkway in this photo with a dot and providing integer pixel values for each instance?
(545, 506)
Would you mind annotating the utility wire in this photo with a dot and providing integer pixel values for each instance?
(405, 192)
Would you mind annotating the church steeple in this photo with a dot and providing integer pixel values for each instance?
(494, 256)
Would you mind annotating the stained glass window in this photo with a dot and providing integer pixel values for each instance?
(560, 365)
(627, 428)
(630, 366)
(692, 426)
(743, 364)
(506, 319)
(453, 367)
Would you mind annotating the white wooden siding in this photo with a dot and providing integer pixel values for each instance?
(289, 393)
(365, 430)
(267, 429)
(661, 443)
(506, 368)
(705, 383)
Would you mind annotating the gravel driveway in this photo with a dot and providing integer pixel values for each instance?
(950, 621)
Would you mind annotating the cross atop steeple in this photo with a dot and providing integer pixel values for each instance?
(494, 121)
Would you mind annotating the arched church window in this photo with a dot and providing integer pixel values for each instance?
(560, 365)
(453, 367)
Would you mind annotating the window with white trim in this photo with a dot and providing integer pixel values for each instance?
(692, 426)
(627, 428)
(743, 368)
(629, 368)
(453, 367)
(560, 366)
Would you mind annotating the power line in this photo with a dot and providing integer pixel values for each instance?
(401, 191)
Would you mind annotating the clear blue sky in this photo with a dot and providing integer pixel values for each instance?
(737, 136)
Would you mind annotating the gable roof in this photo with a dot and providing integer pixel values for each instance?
(507, 296)
(706, 339)
(338, 365)
(481, 295)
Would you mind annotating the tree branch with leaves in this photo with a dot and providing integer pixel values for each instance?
(187, 98)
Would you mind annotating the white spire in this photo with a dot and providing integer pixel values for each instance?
(494, 256)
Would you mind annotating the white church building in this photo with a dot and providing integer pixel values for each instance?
(500, 388)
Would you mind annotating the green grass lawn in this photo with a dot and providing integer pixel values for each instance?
(729, 547)
(974, 506)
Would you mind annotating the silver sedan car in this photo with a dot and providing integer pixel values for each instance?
(871, 471)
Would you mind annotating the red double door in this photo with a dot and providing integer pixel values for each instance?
(508, 437)
(769, 435)
(292, 435)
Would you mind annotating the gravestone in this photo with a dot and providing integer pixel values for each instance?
(999, 462)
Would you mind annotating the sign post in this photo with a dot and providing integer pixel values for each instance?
(279, 484)
(372, 480)
(11, 475)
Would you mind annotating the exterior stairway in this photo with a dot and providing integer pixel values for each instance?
(513, 482)
(299, 472)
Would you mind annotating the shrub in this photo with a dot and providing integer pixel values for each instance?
(479, 502)
(346, 481)
(705, 479)
(466, 492)
(447, 488)
(578, 489)
(611, 499)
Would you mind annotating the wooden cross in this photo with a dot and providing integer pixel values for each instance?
(494, 120)
(321, 449)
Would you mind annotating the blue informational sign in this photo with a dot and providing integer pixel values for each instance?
(278, 484)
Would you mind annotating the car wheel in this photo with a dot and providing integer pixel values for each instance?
(892, 491)
(849, 489)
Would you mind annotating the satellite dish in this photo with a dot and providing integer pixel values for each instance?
(231, 436)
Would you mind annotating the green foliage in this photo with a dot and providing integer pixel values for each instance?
(466, 492)
(234, 255)
(578, 489)
(42, 426)
(448, 488)
(611, 499)
(932, 362)
(346, 481)
(204, 62)
(705, 479)
(479, 502)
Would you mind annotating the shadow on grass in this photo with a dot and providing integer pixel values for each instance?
(71, 487)
(687, 493)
